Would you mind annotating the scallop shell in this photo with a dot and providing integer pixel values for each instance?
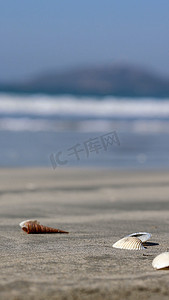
(161, 261)
(143, 236)
(130, 243)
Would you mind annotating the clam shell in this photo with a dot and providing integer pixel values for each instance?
(130, 243)
(143, 236)
(161, 261)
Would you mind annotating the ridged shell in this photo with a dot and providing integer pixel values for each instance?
(24, 223)
(34, 227)
(161, 261)
(130, 243)
(143, 236)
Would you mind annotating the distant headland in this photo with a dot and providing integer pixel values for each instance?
(117, 80)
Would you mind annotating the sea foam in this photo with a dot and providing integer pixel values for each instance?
(67, 112)
(83, 106)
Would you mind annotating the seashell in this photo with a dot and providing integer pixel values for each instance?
(34, 227)
(161, 261)
(143, 236)
(129, 243)
(26, 221)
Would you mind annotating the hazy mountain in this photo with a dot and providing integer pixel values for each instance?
(113, 80)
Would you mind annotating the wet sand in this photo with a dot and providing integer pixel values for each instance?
(97, 207)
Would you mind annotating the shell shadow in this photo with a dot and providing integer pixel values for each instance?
(163, 269)
(150, 244)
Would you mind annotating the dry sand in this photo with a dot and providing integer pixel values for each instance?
(97, 207)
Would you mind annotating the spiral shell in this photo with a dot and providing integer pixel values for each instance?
(34, 227)
(24, 223)
(143, 236)
(129, 243)
(161, 261)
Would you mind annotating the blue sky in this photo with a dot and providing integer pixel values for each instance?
(39, 35)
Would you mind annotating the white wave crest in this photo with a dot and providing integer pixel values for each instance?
(37, 125)
(41, 105)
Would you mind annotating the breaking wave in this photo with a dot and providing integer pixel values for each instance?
(45, 112)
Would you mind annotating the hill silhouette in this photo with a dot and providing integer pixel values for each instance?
(119, 80)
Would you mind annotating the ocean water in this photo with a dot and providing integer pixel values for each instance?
(65, 130)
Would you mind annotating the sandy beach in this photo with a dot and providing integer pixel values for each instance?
(97, 207)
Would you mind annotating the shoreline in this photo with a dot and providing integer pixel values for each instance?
(97, 207)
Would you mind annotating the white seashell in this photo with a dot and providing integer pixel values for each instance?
(143, 236)
(161, 261)
(23, 223)
(130, 243)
